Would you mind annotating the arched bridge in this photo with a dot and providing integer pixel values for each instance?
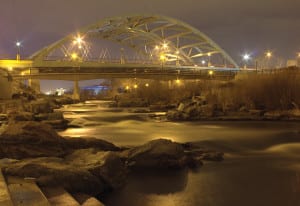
(145, 46)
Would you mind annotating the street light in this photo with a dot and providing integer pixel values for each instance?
(74, 56)
(18, 45)
(246, 57)
(162, 58)
(209, 55)
(268, 56)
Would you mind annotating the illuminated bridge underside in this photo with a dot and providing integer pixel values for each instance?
(148, 35)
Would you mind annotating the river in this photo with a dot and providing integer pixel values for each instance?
(261, 166)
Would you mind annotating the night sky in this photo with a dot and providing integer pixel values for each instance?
(238, 26)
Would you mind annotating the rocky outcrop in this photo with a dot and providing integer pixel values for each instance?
(107, 166)
(34, 139)
(159, 154)
(89, 166)
(50, 171)
(30, 139)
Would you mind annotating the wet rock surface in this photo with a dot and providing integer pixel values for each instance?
(90, 166)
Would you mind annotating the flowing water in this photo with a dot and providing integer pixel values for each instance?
(261, 166)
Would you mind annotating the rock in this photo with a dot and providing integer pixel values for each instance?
(107, 166)
(92, 202)
(87, 200)
(39, 106)
(57, 124)
(256, 112)
(84, 143)
(20, 116)
(3, 117)
(207, 110)
(30, 139)
(213, 156)
(174, 115)
(156, 154)
(50, 171)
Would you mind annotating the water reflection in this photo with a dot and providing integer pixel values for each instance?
(261, 167)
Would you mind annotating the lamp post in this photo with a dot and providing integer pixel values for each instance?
(18, 45)
(162, 58)
(268, 56)
(209, 63)
(246, 58)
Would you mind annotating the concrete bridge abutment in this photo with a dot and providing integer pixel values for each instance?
(34, 83)
(6, 88)
(76, 91)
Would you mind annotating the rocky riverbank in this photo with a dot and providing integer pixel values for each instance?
(197, 108)
(38, 109)
(89, 166)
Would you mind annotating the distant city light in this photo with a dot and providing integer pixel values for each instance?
(209, 54)
(127, 87)
(203, 62)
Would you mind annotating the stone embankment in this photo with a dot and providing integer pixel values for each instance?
(87, 166)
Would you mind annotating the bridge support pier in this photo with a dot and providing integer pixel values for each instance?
(6, 88)
(34, 83)
(76, 91)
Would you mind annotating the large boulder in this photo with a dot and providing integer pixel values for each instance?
(20, 116)
(39, 106)
(156, 154)
(107, 166)
(30, 139)
(51, 171)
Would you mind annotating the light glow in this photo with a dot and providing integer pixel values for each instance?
(74, 56)
(246, 57)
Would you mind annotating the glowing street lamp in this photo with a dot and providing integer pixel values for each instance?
(268, 54)
(135, 86)
(18, 45)
(246, 58)
(164, 45)
(211, 72)
(146, 85)
(74, 56)
(209, 55)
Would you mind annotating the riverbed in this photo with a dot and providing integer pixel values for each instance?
(261, 165)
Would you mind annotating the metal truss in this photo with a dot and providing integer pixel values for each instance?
(157, 37)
